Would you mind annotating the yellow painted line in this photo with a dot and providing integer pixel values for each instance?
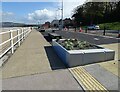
(95, 83)
(88, 87)
(93, 87)
(87, 81)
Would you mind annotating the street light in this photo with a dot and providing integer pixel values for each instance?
(62, 16)
(39, 23)
(56, 15)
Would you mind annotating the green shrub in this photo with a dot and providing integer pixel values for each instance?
(71, 44)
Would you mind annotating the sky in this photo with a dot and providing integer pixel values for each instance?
(37, 12)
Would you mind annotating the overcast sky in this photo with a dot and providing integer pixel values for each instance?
(34, 12)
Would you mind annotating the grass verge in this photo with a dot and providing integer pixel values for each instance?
(110, 26)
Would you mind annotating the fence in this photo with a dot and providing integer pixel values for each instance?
(20, 36)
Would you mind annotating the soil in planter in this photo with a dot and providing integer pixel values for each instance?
(75, 44)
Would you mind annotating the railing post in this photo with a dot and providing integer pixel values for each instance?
(25, 33)
(18, 33)
(28, 30)
(1, 45)
(22, 35)
(11, 37)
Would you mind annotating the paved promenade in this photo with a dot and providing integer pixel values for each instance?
(35, 66)
(31, 58)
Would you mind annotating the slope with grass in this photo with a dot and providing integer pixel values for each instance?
(110, 26)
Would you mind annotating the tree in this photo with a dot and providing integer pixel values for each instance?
(97, 12)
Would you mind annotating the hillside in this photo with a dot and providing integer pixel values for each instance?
(111, 26)
(11, 24)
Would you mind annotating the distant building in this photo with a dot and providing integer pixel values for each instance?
(46, 25)
(67, 22)
(55, 23)
(58, 23)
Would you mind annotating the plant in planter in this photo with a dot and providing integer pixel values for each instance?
(67, 44)
(84, 45)
(71, 44)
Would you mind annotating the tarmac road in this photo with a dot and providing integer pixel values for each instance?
(88, 37)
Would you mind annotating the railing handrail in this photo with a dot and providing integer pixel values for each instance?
(4, 32)
(20, 35)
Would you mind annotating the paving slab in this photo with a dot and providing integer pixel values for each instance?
(106, 78)
(55, 80)
(31, 58)
(87, 81)
(113, 65)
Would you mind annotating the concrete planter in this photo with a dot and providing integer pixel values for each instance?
(81, 57)
(41, 30)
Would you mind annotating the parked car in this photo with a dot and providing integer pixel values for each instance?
(93, 27)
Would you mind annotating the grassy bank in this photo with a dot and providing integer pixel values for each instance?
(111, 26)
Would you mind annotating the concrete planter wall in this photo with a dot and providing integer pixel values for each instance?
(81, 57)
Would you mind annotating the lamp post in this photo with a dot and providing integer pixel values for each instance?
(56, 14)
(38, 24)
(61, 27)
(62, 16)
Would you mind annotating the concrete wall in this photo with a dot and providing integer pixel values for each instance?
(82, 57)
(60, 51)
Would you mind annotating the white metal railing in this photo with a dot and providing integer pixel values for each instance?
(21, 35)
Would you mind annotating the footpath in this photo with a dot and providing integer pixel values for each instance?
(35, 66)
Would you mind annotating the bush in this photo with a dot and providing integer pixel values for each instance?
(71, 44)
